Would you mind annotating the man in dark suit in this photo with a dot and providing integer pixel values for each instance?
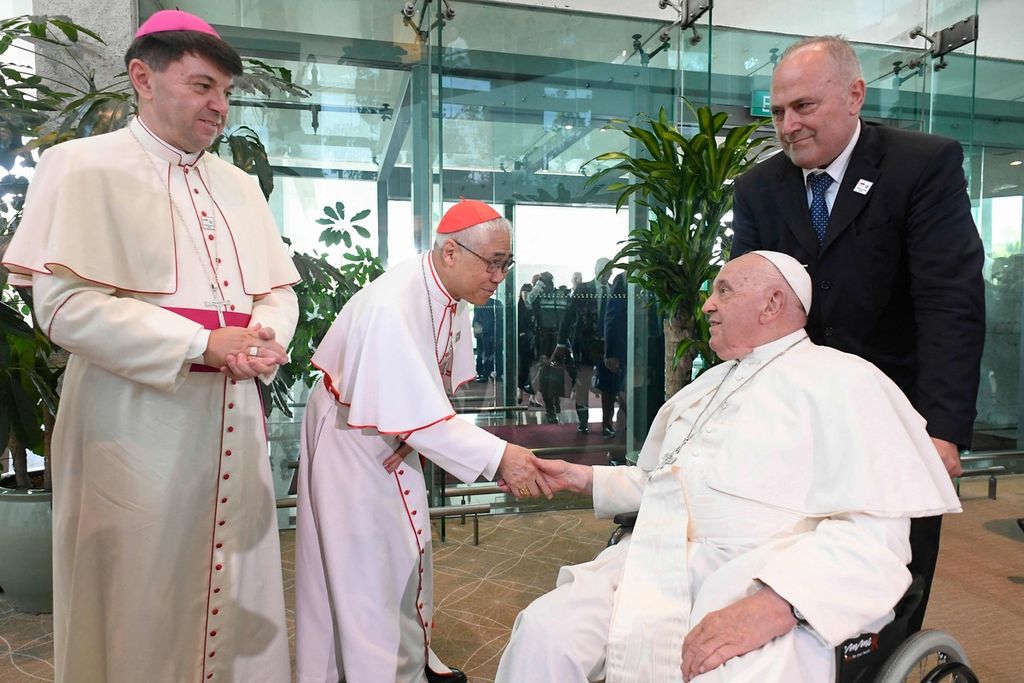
(887, 238)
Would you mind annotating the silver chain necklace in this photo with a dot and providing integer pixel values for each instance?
(218, 302)
(697, 427)
(433, 323)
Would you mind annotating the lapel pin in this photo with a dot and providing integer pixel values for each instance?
(863, 186)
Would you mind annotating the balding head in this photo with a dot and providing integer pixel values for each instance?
(751, 304)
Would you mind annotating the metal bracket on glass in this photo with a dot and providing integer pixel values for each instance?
(409, 14)
(689, 12)
(944, 41)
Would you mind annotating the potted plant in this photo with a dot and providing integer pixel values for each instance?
(685, 183)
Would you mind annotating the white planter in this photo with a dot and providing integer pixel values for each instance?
(26, 549)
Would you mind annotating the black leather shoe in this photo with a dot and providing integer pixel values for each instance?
(455, 676)
(608, 433)
(583, 428)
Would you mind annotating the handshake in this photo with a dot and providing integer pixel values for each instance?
(525, 475)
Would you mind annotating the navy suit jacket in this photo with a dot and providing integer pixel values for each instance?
(897, 280)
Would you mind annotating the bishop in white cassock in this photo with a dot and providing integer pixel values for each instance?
(145, 254)
(774, 497)
(363, 575)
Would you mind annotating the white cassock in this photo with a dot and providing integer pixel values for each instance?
(166, 555)
(802, 473)
(363, 576)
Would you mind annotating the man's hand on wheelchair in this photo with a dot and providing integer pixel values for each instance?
(740, 628)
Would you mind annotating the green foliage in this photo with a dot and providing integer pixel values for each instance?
(323, 291)
(686, 186)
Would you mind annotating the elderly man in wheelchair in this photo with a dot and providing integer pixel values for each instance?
(775, 495)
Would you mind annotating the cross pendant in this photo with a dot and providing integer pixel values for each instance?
(219, 303)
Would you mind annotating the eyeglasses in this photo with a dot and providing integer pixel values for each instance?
(492, 266)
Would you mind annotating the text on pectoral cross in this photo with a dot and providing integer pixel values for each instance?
(220, 304)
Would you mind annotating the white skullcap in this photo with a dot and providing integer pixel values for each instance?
(794, 273)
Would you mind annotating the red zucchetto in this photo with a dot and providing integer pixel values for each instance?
(465, 214)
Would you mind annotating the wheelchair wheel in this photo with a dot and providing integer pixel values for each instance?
(928, 656)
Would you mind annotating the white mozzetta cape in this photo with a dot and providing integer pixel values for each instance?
(112, 224)
(381, 342)
(820, 432)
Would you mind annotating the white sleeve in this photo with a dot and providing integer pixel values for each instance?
(131, 338)
(617, 489)
(278, 310)
(461, 449)
(844, 576)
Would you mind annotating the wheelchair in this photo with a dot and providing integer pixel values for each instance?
(889, 656)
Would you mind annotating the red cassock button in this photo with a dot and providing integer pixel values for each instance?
(223, 500)
(212, 653)
(231, 429)
(227, 476)
(419, 531)
(401, 472)
(227, 453)
(196, 190)
(225, 283)
(219, 545)
(413, 512)
(218, 567)
(210, 237)
(405, 492)
(209, 676)
(232, 308)
(215, 611)
(230, 406)
(213, 634)
(221, 523)
(216, 590)
(186, 170)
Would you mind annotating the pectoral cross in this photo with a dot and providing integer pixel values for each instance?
(219, 303)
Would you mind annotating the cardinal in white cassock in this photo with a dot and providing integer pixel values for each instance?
(398, 350)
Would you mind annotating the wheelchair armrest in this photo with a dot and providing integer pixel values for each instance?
(626, 520)
(911, 598)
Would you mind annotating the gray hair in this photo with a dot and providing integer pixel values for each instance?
(475, 237)
(839, 51)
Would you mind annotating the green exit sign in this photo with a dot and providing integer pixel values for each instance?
(760, 103)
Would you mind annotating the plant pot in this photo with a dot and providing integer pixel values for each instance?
(26, 549)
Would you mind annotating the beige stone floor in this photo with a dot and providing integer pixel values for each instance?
(978, 594)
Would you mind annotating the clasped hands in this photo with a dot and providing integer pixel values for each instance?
(244, 352)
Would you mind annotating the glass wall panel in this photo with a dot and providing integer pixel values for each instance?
(507, 103)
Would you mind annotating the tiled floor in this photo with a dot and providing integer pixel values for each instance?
(978, 594)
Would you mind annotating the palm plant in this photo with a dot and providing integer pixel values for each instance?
(685, 183)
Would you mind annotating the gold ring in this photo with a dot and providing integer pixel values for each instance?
(524, 491)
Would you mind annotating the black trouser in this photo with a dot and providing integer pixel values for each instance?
(924, 544)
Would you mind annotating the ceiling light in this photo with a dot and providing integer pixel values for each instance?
(1018, 162)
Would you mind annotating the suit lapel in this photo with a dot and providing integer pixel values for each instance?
(864, 161)
(793, 196)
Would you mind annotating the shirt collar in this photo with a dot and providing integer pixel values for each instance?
(767, 352)
(159, 148)
(435, 289)
(837, 169)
